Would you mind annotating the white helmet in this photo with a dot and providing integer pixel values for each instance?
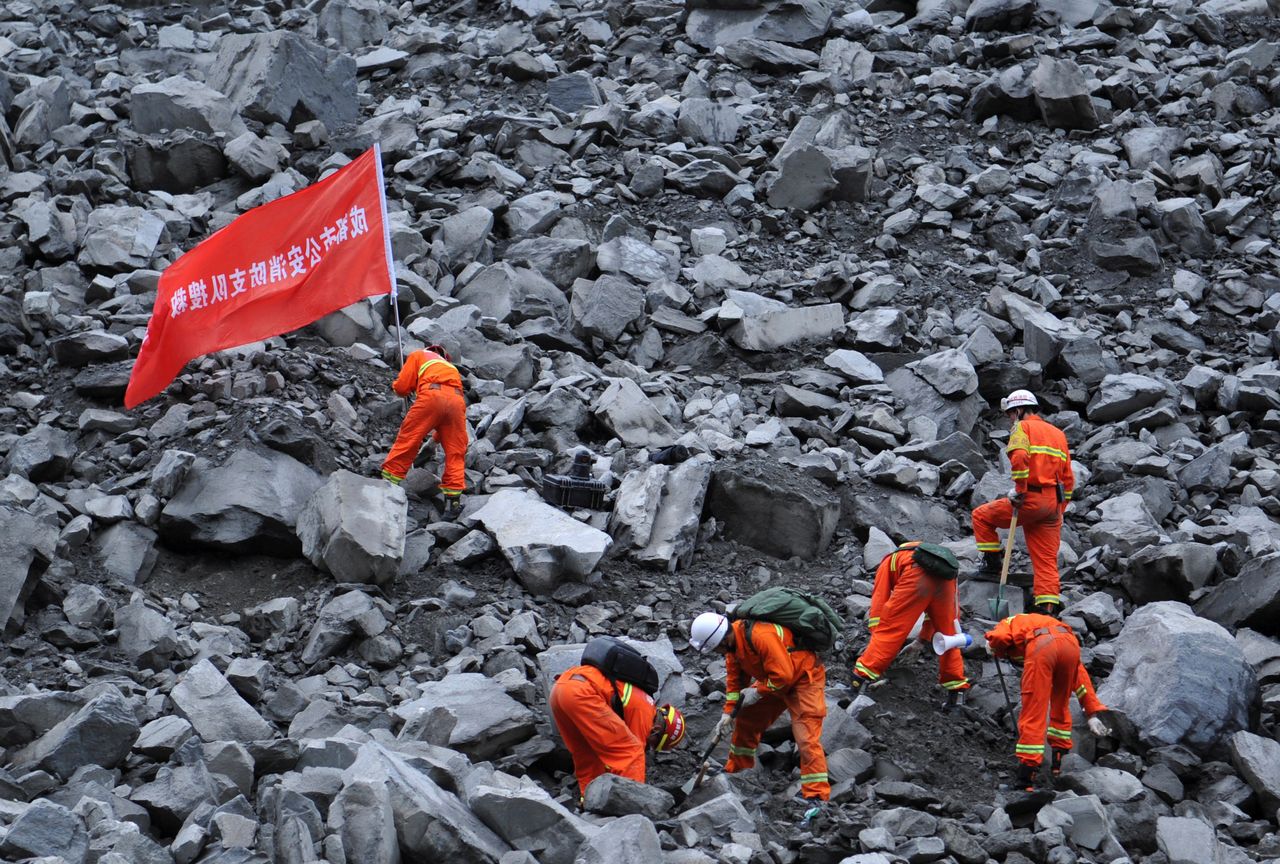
(708, 631)
(1018, 399)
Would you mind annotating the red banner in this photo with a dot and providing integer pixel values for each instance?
(274, 269)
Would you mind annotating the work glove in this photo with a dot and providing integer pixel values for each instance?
(991, 652)
(750, 697)
(1016, 498)
(1098, 728)
(726, 720)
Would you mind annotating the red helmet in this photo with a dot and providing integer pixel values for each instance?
(669, 727)
(439, 350)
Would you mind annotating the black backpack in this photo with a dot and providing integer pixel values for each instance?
(620, 662)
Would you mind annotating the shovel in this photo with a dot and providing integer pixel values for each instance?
(705, 762)
(998, 607)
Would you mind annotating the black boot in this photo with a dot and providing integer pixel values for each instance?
(1026, 781)
(992, 562)
(452, 508)
(955, 699)
(1056, 767)
(1050, 609)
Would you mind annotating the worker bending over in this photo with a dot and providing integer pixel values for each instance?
(1042, 484)
(439, 410)
(786, 678)
(918, 578)
(1049, 654)
(608, 725)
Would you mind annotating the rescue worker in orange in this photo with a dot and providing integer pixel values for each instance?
(1049, 654)
(608, 725)
(439, 410)
(786, 678)
(1043, 482)
(916, 578)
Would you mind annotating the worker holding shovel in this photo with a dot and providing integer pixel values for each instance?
(1042, 485)
(1050, 656)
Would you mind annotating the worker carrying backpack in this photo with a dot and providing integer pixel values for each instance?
(810, 619)
(620, 662)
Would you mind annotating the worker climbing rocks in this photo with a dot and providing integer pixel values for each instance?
(1043, 482)
(441, 410)
(787, 678)
(1049, 654)
(608, 725)
(914, 579)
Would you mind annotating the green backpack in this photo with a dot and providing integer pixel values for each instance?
(811, 619)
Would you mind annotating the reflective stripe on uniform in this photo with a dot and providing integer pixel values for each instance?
(1047, 598)
(988, 547)
(1060, 734)
(626, 694)
(450, 493)
(1020, 475)
(814, 778)
(749, 752)
(430, 363)
(870, 674)
(1029, 748)
(1067, 495)
(771, 685)
(1048, 451)
(733, 697)
(1080, 691)
(872, 622)
(959, 684)
(394, 478)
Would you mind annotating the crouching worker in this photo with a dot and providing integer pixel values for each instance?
(439, 410)
(916, 578)
(607, 722)
(1049, 654)
(786, 678)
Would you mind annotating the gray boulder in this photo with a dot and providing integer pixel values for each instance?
(274, 75)
(127, 551)
(88, 346)
(769, 508)
(46, 831)
(1121, 395)
(1165, 642)
(118, 238)
(1258, 761)
(1251, 599)
(41, 455)
(612, 795)
(466, 712)
(1062, 94)
(530, 819)
(674, 536)
(627, 412)
(772, 325)
(604, 307)
(250, 503)
(1169, 571)
(513, 294)
(27, 546)
(543, 544)
(629, 840)
(362, 815)
(214, 709)
(146, 637)
(178, 102)
(1186, 840)
(353, 527)
(345, 617)
(101, 733)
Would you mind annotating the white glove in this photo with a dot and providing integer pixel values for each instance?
(990, 651)
(723, 725)
(750, 697)
(1097, 727)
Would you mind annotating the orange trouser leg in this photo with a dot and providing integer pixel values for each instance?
(1041, 521)
(896, 621)
(451, 430)
(1037, 687)
(987, 519)
(1066, 653)
(943, 612)
(807, 702)
(598, 740)
(422, 417)
(748, 729)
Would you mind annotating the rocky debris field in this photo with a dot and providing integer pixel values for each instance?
(773, 262)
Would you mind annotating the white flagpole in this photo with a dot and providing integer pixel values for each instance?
(386, 238)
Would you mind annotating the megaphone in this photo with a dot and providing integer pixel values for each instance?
(943, 643)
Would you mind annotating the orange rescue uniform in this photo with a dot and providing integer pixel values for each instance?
(1040, 460)
(902, 591)
(1051, 673)
(787, 678)
(601, 741)
(440, 409)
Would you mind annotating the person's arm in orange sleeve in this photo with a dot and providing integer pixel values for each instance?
(1000, 638)
(732, 682)
(880, 593)
(1087, 696)
(407, 381)
(1019, 458)
(639, 714)
(779, 671)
